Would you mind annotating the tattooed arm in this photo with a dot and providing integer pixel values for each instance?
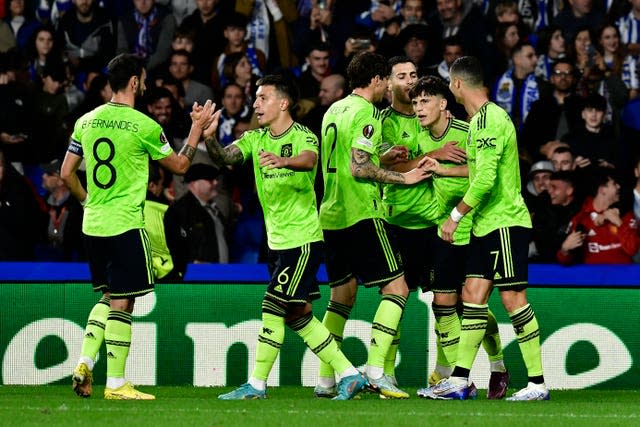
(230, 154)
(362, 167)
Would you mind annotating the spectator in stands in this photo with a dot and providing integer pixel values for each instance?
(518, 88)
(207, 24)
(594, 140)
(267, 18)
(506, 38)
(628, 28)
(42, 50)
(98, 92)
(616, 59)
(181, 69)
(164, 109)
(455, 17)
(414, 42)
(599, 233)
(562, 159)
(88, 35)
(235, 31)
(194, 228)
(183, 39)
(21, 218)
(550, 223)
(312, 26)
(237, 69)
(452, 50)
(64, 240)
(379, 12)
(535, 191)
(21, 21)
(147, 31)
(51, 136)
(16, 111)
(316, 68)
(332, 88)
(580, 13)
(550, 48)
(553, 115)
(233, 109)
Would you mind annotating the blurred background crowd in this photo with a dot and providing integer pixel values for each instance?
(565, 70)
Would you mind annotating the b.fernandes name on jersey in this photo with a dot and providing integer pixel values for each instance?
(111, 124)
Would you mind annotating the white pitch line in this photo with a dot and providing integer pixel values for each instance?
(321, 411)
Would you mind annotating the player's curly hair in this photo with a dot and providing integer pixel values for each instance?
(365, 66)
(429, 85)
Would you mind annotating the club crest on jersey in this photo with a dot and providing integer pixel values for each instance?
(286, 150)
(367, 131)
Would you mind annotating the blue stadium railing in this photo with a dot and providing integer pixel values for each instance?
(543, 275)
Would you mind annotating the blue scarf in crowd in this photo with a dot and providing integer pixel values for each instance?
(144, 46)
(504, 93)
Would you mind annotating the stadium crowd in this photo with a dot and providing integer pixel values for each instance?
(565, 71)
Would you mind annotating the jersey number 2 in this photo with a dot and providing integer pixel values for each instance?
(333, 126)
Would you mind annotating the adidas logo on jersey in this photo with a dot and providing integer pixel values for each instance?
(497, 276)
(90, 335)
(405, 134)
(110, 355)
(278, 288)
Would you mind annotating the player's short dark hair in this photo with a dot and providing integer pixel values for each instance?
(400, 59)
(319, 46)
(121, 68)
(452, 41)
(283, 85)
(567, 176)
(182, 52)
(519, 46)
(429, 85)
(468, 69)
(595, 100)
(600, 177)
(365, 66)
(563, 149)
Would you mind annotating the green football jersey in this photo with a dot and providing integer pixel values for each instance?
(494, 172)
(352, 122)
(408, 206)
(116, 142)
(287, 197)
(450, 190)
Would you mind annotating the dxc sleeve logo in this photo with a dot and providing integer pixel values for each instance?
(485, 143)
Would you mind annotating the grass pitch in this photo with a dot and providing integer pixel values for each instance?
(296, 406)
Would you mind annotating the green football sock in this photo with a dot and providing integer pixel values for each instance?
(383, 329)
(472, 330)
(320, 341)
(390, 359)
(270, 339)
(334, 320)
(117, 336)
(94, 332)
(491, 341)
(448, 333)
(525, 325)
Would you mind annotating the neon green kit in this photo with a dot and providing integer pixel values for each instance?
(352, 122)
(117, 141)
(287, 197)
(408, 206)
(450, 190)
(494, 172)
